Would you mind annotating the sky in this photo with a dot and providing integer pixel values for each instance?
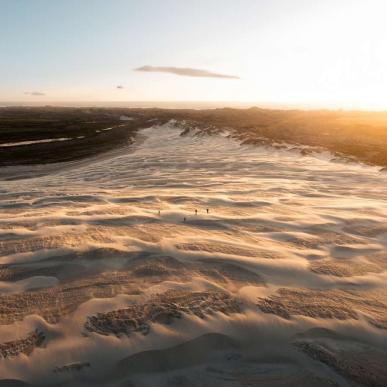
(298, 53)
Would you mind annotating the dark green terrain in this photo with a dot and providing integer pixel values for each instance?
(90, 131)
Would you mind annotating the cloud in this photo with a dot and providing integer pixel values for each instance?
(120, 87)
(34, 93)
(185, 72)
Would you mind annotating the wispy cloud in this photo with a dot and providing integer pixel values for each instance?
(185, 72)
(35, 93)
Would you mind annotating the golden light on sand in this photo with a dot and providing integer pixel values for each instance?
(208, 207)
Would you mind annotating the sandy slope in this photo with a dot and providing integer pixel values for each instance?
(125, 295)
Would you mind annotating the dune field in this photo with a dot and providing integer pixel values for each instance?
(190, 258)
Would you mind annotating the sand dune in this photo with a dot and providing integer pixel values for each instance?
(192, 259)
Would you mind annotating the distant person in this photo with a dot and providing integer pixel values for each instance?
(196, 211)
(184, 220)
(207, 210)
(159, 213)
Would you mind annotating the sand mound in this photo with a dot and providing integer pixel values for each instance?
(343, 269)
(212, 359)
(187, 354)
(25, 345)
(360, 363)
(331, 304)
(216, 247)
(162, 309)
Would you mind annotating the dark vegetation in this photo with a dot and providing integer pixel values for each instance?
(90, 131)
(360, 135)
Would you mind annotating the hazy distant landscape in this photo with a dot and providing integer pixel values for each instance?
(192, 247)
(31, 135)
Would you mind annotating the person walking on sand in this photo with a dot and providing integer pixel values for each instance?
(207, 210)
(159, 213)
(184, 219)
(196, 211)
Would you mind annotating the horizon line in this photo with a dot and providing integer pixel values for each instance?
(219, 104)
